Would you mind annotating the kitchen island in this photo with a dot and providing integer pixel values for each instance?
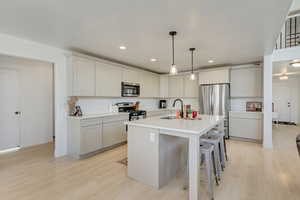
(156, 146)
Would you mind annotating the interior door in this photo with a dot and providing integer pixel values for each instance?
(282, 102)
(9, 109)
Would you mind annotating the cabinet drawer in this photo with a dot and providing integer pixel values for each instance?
(90, 122)
(116, 118)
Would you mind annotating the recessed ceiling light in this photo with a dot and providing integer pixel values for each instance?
(211, 61)
(122, 47)
(153, 59)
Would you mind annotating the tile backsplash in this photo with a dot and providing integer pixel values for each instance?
(102, 105)
(239, 104)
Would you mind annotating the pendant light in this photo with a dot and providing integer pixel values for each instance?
(192, 76)
(173, 69)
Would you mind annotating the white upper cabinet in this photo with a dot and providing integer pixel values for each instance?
(131, 76)
(108, 80)
(88, 76)
(214, 76)
(246, 82)
(155, 83)
(190, 87)
(83, 77)
(149, 84)
(176, 86)
(164, 87)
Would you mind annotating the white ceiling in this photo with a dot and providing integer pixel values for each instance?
(230, 31)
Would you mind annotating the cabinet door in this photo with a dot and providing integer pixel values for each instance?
(90, 139)
(114, 133)
(108, 80)
(145, 84)
(246, 128)
(246, 82)
(214, 76)
(155, 85)
(131, 76)
(176, 86)
(149, 84)
(83, 77)
(164, 89)
(190, 87)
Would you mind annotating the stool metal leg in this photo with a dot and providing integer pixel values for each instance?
(217, 161)
(222, 152)
(225, 149)
(215, 168)
(209, 162)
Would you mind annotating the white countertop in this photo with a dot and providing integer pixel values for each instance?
(259, 113)
(100, 115)
(206, 123)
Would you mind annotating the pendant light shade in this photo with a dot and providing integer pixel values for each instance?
(192, 76)
(173, 68)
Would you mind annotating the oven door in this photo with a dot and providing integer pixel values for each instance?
(130, 89)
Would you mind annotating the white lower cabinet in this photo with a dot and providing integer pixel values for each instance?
(113, 133)
(88, 136)
(90, 139)
(245, 125)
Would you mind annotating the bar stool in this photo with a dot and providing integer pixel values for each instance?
(207, 150)
(207, 157)
(214, 140)
(223, 147)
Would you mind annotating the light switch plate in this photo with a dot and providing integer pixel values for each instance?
(152, 137)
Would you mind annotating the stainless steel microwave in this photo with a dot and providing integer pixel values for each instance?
(130, 89)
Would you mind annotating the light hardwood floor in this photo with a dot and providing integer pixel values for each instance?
(252, 173)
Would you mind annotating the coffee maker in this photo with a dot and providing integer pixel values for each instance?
(162, 104)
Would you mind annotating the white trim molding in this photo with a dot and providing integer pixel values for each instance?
(13, 46)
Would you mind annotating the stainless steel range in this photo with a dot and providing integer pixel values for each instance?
(131, 109)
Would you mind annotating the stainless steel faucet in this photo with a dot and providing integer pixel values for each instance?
(174, 103)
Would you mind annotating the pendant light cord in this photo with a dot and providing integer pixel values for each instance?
(172, 49)
(192, 62)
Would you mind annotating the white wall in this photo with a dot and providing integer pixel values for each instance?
(101, 105)
(13, 46)
(36, 99)
(294, 84)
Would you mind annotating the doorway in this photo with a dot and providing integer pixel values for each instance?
(286, 93)
(9, 106)
(27, 103)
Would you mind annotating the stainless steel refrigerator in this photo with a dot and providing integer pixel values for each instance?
(214, 99)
